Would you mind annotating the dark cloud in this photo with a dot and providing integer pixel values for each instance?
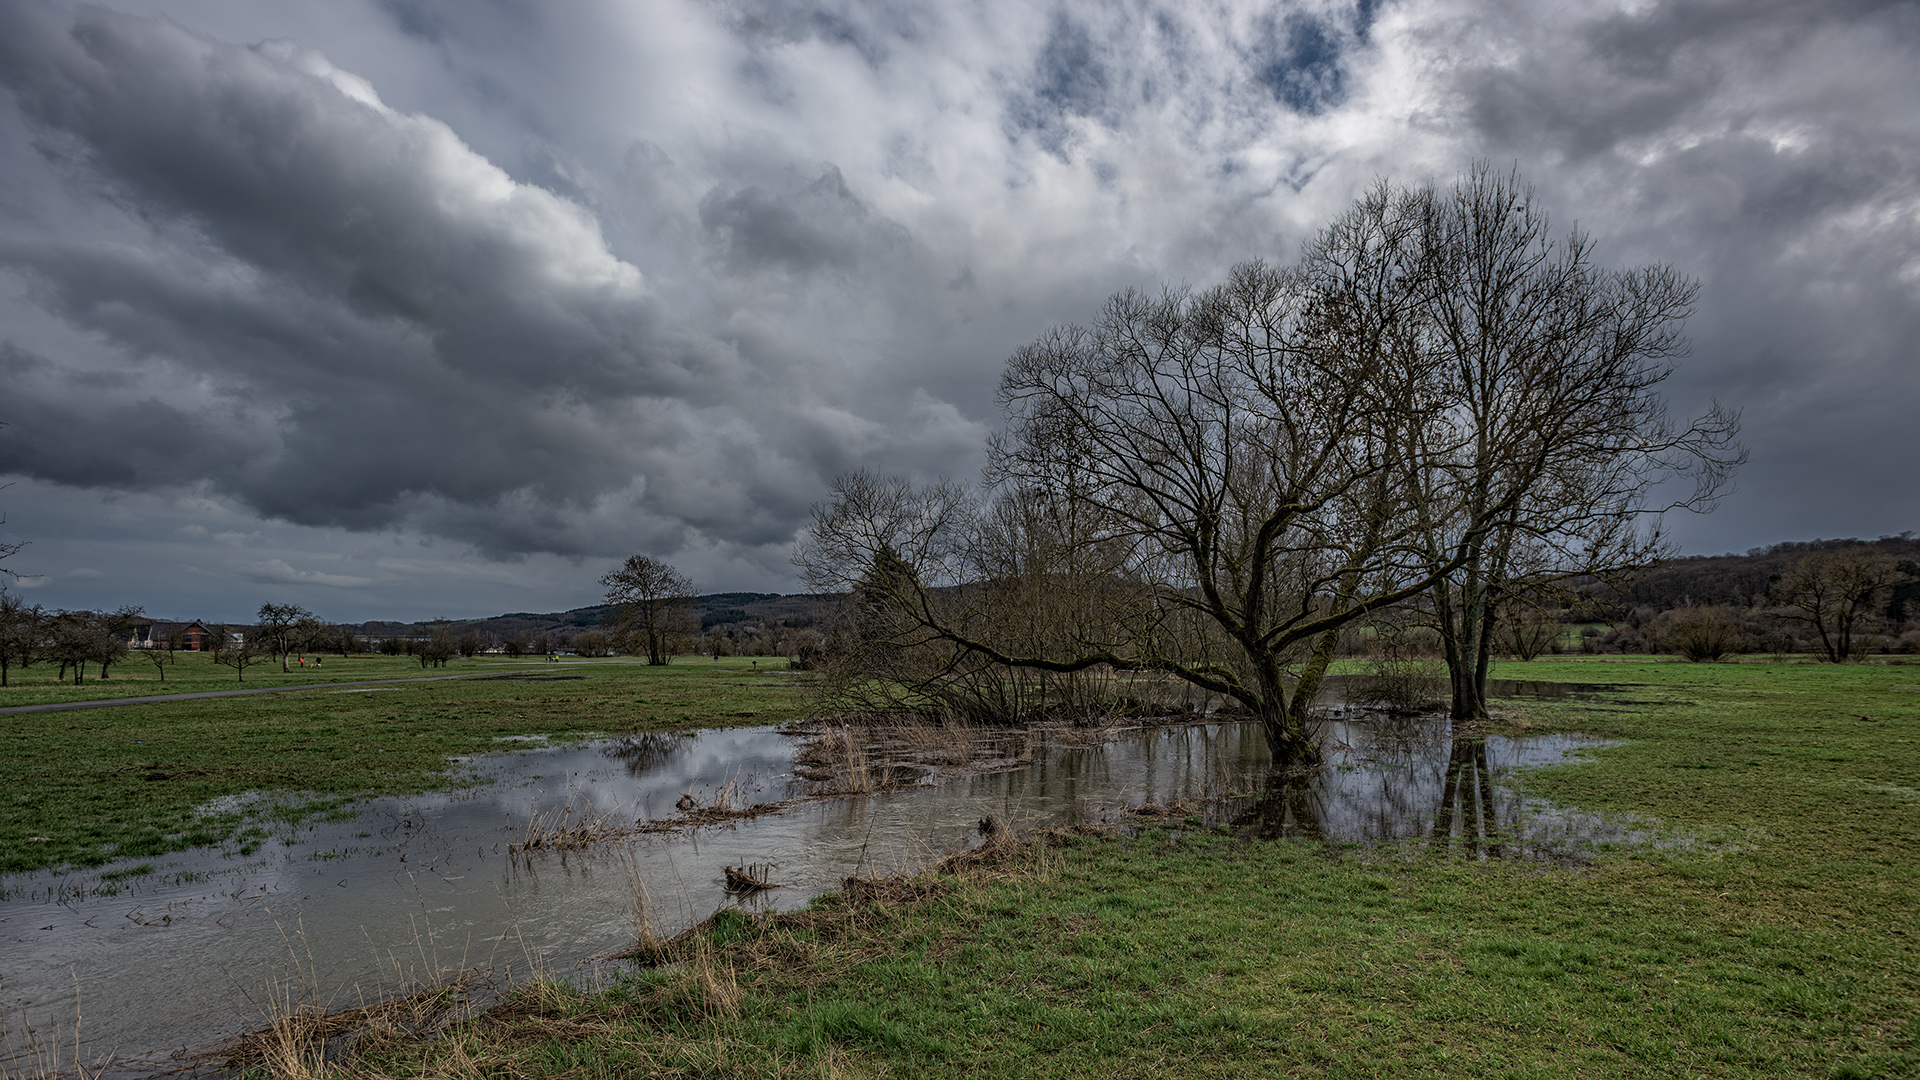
(812, 225)
(567, 282)
(404, 333)
(1755, 147)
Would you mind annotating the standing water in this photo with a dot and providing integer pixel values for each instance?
(406, 890)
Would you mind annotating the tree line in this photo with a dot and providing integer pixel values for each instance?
(1838, 600)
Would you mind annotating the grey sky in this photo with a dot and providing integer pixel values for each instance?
(428, 307)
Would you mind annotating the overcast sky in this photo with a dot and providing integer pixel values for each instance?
(440, 307)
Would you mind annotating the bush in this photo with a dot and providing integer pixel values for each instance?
(1700, 633)
(1401, 684)
(592, 643)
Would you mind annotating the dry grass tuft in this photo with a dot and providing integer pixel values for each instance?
(564, 830)
(305, 1041)
(749, 878)
(29, 1055)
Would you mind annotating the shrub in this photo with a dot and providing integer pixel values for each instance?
(1700, 633)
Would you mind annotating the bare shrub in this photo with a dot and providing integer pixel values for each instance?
(1700, 633)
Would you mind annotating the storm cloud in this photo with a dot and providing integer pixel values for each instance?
(538, 287)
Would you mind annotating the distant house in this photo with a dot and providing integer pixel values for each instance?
(191, 637)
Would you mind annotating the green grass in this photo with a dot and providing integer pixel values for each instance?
(191, 672)
(79, 788)
(1780, 941)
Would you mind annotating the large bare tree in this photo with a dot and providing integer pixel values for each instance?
(653, 604)
(1551, 435)
(1239, 460)
(1836, 594)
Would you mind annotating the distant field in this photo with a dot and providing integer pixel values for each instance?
(193, 671)
(81, 787)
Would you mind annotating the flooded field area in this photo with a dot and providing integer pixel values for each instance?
(146, 964)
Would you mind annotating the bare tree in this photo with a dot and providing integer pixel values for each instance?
(74, 639)
(1528, 625)
(1836, 594)
(159, 653)
(1240, 457)
(341, 638)
(9, 549)
(1549, 431)
(21, 630)
(653, 603)
(470, 643)
(114, 628)
(239, 650)
(440, 647)
(282, 628)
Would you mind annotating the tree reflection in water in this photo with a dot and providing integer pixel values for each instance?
(1389, 779)
(1466, 810)
(646, 753)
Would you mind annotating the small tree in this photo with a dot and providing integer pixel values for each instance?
(470, 643)
(653, 603)
(73, 638)
(239, 651)
(282, 628)
(341, 638)
(21, 628)
(1836, 594)
(437, 649)
(309, 635)
(113, 630)
(159, 653)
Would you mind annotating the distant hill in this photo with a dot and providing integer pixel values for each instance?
(721, 611)
(1742, 580)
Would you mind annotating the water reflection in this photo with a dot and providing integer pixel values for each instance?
(1410, 779)
(177, 957)
(646, 753)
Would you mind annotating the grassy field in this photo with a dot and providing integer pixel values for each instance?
(78, 788)
(192, 672)
(1778, 940)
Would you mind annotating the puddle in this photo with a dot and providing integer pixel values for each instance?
(1537, 690)
(155, 962)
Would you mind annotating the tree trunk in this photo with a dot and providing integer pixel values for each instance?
(1291, 745)
(1289, 734)
(1468, 644)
